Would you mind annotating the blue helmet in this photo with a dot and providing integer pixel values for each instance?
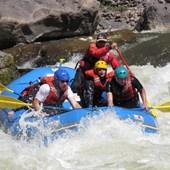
(121, 72)
(61, 75)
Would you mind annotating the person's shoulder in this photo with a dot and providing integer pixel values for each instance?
(44, 88)
(133, 78)
(93, 44)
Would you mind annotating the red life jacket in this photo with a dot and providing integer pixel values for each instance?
(96, 78)
(127, 93)
(92, 55)
(97, 52)
(55, 95)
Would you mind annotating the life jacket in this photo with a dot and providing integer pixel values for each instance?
(125, 93)
(92, 55)
(96, 78)
(28, 94)
(111, 59)
(55, 95)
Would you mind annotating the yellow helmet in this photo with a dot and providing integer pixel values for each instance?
(101, 64)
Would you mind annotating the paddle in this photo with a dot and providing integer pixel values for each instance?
(4, 88)
(12, 103)
(165, 107)
(124, 60)
(57, 108)
(152, 109)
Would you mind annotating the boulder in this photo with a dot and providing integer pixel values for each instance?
(7, 68)
(155, 16)
(41, 20)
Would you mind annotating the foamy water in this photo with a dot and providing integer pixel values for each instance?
(102, 143)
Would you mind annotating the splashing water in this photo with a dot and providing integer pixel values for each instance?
(103, 142)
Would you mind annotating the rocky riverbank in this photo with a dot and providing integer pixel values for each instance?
(37, 21)
(34, 30)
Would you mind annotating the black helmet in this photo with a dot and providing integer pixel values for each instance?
(101, 37)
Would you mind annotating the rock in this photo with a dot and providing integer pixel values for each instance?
(161, 1)
(7, 68)
(7, 39)
(154, 16)
(42, 20)
(159, 16)
(30, 21)
(6, 60)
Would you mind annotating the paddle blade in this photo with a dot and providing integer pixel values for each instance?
(165, 107)
(166, 104)
(12, 103)
(152, 110)
(4, 88)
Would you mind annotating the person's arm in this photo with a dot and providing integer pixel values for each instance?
(89, 92)
(109, 94)
(109, 99)
(93, 50)
(72, 99)
(113, 60)
(74, 103)
(144, 98)
(141, 91)
(114, 45)
(36, 104)
(40, 96)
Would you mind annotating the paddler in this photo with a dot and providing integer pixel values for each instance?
(54, 91)
(95, 84)
(124, 90)
(99, 50)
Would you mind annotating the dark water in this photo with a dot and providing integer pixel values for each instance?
(153, 48)
(142, 48)
(137, 48)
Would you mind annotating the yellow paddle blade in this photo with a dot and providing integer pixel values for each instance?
(62, 60)
(4, 88)
(152, 110)
(165, 107)
(11, 103)
(166, 104)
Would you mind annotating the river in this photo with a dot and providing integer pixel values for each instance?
(105, 142)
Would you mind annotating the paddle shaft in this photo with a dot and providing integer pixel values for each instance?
(124, 60)
(57, 108)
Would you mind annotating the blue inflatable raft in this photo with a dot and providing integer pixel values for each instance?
(24, 121)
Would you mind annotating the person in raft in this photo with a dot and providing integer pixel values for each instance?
(54, 91)
(124, 90)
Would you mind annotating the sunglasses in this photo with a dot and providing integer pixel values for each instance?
(64, 81)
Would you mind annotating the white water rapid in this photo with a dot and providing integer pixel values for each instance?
(106, 143)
